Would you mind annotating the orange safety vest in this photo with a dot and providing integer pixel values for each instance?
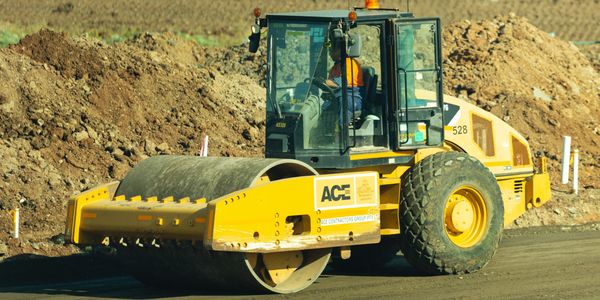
(353, 72)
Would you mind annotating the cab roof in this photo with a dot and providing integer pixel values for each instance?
(329, 15)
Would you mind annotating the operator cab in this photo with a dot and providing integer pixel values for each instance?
(347, 89)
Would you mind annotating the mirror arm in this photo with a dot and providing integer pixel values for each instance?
(254, 37)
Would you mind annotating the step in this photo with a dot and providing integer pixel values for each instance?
(389, 181)
(389, 206)
(389, 231)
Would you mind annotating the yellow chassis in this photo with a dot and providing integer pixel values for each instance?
(308, 212)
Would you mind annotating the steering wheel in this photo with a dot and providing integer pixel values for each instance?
(328, 92)
(320, 83)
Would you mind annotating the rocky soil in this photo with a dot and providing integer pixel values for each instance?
(75, 112)
(542, 86)
(593, 54)
(565, 208)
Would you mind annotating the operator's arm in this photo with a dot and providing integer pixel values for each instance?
(330, 83)
(334, 80)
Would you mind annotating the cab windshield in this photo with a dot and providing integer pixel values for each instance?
(299, 60)
(299, 53)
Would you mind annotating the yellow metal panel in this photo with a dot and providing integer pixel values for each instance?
(390, 231)
(388, 206)
(298, 213)
(538, 189)
(501, 162)
(383, 154)
(518, 176)
(133, 219)
(389, 181)
(514, 203)
(535, 192)
(423, 153)
(497, 163)
(77, 202)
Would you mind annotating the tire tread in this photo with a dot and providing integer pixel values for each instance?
(418, 194)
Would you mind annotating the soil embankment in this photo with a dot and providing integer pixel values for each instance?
(75, 112)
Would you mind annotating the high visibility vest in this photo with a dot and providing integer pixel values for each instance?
(353, 72)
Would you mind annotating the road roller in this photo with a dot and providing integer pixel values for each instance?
(378, 163)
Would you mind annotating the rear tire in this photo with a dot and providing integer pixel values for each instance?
(435, 238)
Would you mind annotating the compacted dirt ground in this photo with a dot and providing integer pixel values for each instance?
(531, 263)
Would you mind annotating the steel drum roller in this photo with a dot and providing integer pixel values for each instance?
(183, 264)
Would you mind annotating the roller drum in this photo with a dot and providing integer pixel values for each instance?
(208, 177)
(182, 264)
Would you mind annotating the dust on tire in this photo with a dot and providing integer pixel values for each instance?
(425, 189)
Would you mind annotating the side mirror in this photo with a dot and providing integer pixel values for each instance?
(354, 45)
(254, 38)
(337, 35)
(352, 41)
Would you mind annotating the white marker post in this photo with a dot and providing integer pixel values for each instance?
(16, 223)
(565, 159)
(575, 171)
(204, 146)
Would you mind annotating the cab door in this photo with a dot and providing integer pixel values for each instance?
(418, 84)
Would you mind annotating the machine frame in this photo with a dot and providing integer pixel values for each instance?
(271, 224)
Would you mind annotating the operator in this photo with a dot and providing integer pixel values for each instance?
(353, 76)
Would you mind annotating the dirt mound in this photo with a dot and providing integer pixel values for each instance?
(75, 113)
(71, 59)
(593, 54)
(542, 86)
(231, 60)
(564, 209)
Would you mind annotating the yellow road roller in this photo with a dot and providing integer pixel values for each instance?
(365, 157)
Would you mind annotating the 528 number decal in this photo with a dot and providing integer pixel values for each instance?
(456, 130)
